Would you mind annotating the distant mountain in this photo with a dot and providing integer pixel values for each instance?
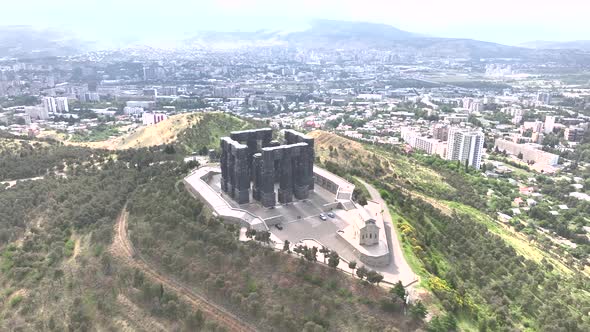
(327, 34)
(574, 45)
(26, 41)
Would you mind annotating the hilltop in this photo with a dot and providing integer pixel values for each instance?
(68, 262)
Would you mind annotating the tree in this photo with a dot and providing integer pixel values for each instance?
(399, 291)
(195, 321)
(169, 149)
(334, 259)
(418, 310)
(378, 278)
(298, 249)
(311, 254)
(263, 236)
(520, 156)
(250, 233)
(325, 252)
(286, 246)
(374, 277)
(352, 266)
(361, 272)
(446, 323)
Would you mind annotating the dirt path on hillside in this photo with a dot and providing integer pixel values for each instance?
(123, 249)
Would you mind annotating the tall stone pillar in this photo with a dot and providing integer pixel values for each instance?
(307, 163)
(286, 178)
(252, 147)
(257, 176)
(267, 195)
(241, 175)
(224, 163)
(300, 186)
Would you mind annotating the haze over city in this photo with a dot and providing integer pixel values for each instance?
(503, 21)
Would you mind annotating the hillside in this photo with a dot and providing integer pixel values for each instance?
(66, 262)
(161, 133)
(190, 132)
(486, 274)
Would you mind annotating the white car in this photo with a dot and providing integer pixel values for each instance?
(323, 216)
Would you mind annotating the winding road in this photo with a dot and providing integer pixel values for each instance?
(399, 268)
(123, 249)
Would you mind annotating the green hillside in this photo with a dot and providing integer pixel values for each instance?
(487, 275)
(64, 266)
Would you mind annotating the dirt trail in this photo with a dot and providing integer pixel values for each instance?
(123, 249)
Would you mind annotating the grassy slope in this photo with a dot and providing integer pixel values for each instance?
(420, 182)
(56, 272)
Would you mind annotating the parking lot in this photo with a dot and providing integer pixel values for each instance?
(300, 219)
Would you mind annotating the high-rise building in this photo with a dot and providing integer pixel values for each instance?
(549, 124)
(544, 98)
(476, 107)
(62, 104)
(467, 103)
(465, 145)
(440, 132)
(92, 97)
(49, 104)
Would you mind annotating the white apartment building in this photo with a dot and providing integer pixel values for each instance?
(535, 126)
(130, 110)
(530, 152)
(465, 145)
(49, 104)
(36, 112)
(549, 124)
(428, 145)
(62, 104)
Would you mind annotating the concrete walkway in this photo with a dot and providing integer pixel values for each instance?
(399, 269)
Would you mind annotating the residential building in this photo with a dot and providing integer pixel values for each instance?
(37, 112)
(549, 124)
(530, 152)
(130, 110)
(440, 132)
(544, 98)
(49, 104)
(62, 104)
(153, 118)
(573, 134)
(465, 145)
(476, 107)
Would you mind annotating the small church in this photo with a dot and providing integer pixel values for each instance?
(365, 227)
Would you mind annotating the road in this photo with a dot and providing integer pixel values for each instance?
(400, 269)
(123, 249)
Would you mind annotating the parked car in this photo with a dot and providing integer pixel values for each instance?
(323, 216)
(279, 227)
(331, 215)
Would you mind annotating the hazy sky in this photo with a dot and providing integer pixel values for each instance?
(506, 21)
